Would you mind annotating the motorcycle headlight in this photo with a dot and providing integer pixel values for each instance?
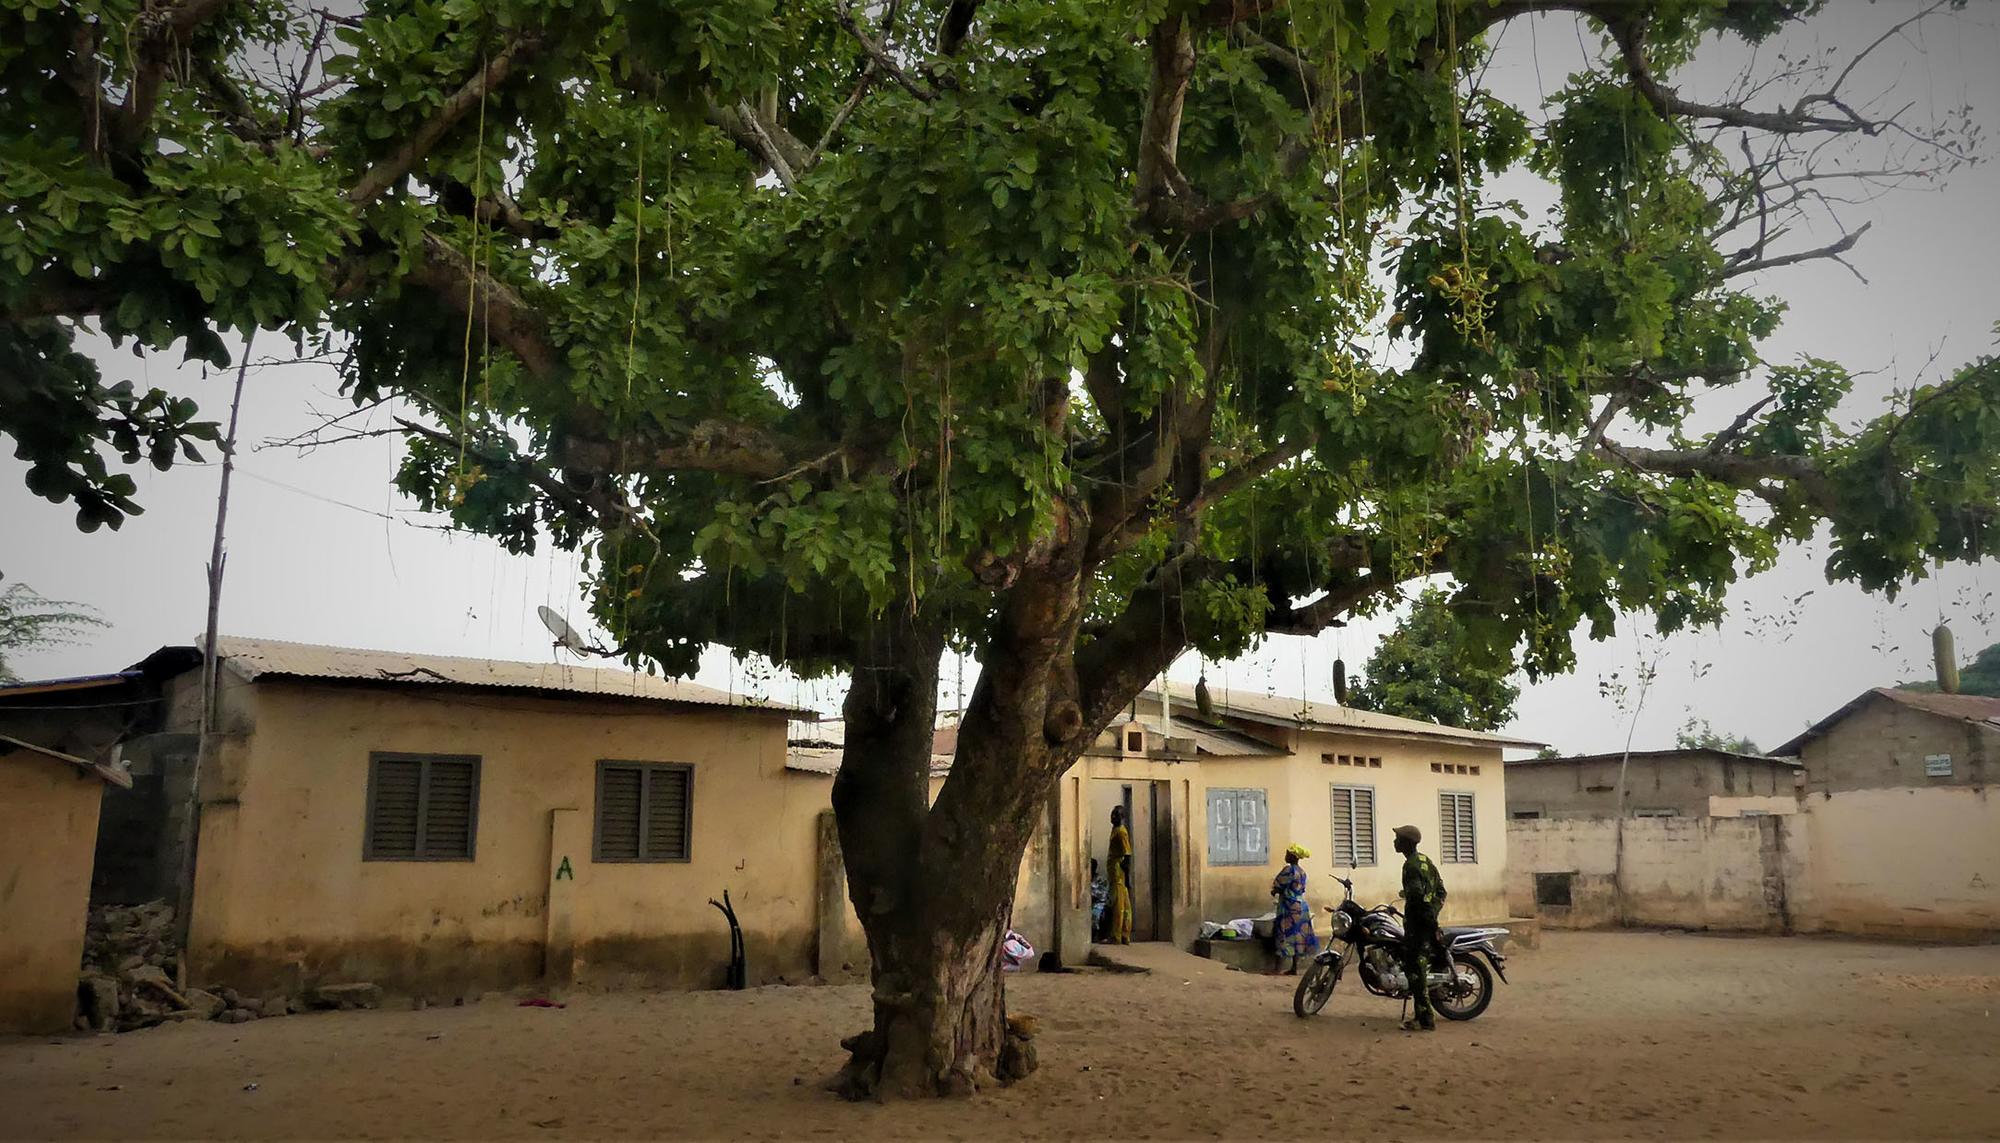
(1337, 924)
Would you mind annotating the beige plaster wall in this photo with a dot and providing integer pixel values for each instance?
(283, 895)
(1901, 862)
(1698, 873)
(48, 829)
(1298, 791)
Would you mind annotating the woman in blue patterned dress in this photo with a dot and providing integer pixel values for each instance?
(1294, 926)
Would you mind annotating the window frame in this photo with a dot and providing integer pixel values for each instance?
(1235, 796)
(1472, 817)
(368, 810)
(645, 769)
(1374, 847)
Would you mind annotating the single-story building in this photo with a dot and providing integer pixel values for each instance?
(1215, 800)
(441, 825)
(1695, 782)
(48, 828)
(1888, 833)
(1888, 738)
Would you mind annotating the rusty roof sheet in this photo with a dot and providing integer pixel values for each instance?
(825, 761)
(1962, 708)
(1302, 714)
(1215, 741)
(1648, 755)
(271, 658)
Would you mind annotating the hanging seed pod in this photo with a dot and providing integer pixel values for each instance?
(1946, 658)
(1340, 681)
(1203, 701)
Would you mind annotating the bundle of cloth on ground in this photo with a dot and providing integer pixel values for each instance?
(1240, 929)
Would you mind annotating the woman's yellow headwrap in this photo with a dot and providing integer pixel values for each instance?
(1296, 852)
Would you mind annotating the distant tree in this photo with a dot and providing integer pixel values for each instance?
(1427, 668)
(29, 622)
(1981, 678)
(1697, 734)
(1548, 752)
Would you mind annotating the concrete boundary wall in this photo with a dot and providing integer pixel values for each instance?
(1914, 863)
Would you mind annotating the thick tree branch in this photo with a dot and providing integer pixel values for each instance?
(596, 509)
(726, 447)
(878, 52)
(1172, 46)
(1749, 473)
(1240, 477)
(391, 170)
(773, 146)
(160, 36)
(509, 320)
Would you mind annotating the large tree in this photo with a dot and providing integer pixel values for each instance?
(1074, 333)
(1426, 669)
(29, 621)
(1980, 677)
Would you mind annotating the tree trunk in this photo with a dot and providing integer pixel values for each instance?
(934, 888)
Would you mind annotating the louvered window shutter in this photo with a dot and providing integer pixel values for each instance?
(422, 807)
(618, 796)
(644, 811)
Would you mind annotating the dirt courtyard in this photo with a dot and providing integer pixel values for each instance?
(1599, 1035)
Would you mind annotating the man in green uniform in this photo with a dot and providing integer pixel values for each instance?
(1423, 900)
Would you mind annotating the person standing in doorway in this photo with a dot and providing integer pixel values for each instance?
(1119, 858)
(1294, 926)
(1423, 900)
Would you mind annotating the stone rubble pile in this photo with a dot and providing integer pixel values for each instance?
(131, 961)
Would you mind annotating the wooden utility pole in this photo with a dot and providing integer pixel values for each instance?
(204, 743)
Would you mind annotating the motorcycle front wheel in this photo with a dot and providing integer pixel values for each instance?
(1315, 988)
(1477, 996)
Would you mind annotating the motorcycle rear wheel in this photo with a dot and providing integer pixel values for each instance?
(1471, 1005)
(1315, 988)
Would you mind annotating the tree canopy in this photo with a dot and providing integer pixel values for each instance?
(31, 622)
(1423, 669)
(861, 309)
(1981, 677)
(1697, 734)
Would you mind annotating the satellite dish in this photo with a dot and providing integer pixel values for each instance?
(566, 636)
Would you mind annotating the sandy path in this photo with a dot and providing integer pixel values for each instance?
(1599, 1035)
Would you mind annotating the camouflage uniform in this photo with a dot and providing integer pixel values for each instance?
(1423, 899)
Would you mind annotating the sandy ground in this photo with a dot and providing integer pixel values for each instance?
(1598, 1036)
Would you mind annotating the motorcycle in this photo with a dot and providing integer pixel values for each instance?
(1460, 989)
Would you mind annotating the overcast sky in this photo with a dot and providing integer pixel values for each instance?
(321, 550)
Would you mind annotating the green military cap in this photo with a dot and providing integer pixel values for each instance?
(1410, 833)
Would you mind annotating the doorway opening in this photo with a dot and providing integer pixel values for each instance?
(1149, 817)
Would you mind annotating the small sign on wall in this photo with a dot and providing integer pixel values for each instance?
(1937, 765)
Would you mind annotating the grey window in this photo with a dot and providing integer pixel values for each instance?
(645, 811)
(1353, 814)
(1456, 841)
(1238, 833)
(1553, 889)
(421, 807)
(1655, 812)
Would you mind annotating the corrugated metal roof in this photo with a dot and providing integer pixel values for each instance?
(52, 686)
(825, 760)
(1302, 714)
(268, 658)
(1216, 741)
(1648, 755)
(112, 774)
(1963, 708)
